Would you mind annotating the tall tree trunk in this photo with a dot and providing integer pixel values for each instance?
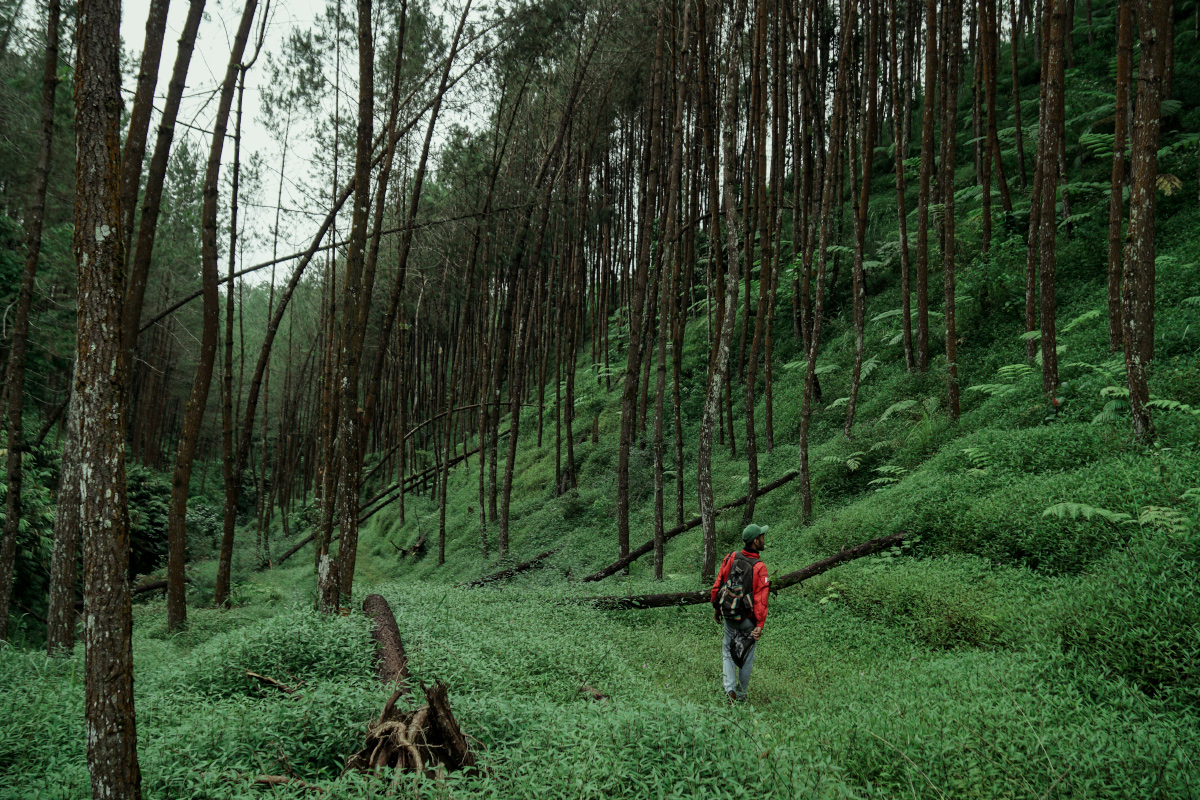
(639, 313)
(1050, 136)
(14, 379)
(1016, 93)
(139, 116)
(949, 133)
(108, 634)
(194, 414)
(356, 304)
(720, 359)
(837, 133)
(927, 165)
(139, 268)
(1117, 192)
(900, 112)
(870, 90)
(1138, 285)
(228, 472)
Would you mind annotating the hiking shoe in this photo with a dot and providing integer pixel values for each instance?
(733, 698)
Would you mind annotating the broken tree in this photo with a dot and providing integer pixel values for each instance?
(791, 579)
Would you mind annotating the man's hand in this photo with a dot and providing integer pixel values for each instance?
(756, 633)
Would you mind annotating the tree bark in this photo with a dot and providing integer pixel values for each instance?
(900, 112)
(926, 173)
(720, 359)
(870, 90)
(194, 413)
(949, 140)
(391, 662)
(1117, 192)
(1137, 292)
(139, 116)
(139, 267)
(99, 390)
(1050, 138)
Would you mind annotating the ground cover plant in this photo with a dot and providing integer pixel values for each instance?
(491, 384)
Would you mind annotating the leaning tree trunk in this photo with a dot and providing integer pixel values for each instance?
(139, 266)
(14, 379)
(108, 635)
(139, 116)
(189, 435)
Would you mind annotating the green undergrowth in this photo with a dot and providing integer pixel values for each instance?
(1037, 633)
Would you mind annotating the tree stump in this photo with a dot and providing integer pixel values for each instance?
(425, 740)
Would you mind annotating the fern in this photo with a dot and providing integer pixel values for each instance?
(889, 475)
(979, 459)
(1172, 405)
(1014, 372)
(1082, 318)
(839, 403)
(1077, 510)
(903, 405)
(868, 367)
(852, 462)
(1171, 520)
(1108, 415)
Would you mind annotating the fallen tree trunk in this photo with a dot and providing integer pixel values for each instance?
(410, 481)
(291, 551)
(391, 662)
(425, 740)
(505, 574)
(144, 588)
(694, 522)
(791, 579)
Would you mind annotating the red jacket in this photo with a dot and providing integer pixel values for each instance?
(761, 585)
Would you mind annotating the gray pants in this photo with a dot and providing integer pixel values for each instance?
(735, 679)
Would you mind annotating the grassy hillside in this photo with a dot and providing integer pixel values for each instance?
(1036, 635)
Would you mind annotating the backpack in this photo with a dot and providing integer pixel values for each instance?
(735, 600)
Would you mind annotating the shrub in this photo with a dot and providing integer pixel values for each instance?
(1138, 615)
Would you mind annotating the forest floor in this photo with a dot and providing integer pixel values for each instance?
(1035, 635)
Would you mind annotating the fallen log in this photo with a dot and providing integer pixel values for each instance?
(505, 574)
(425, 740)
(391, 662)
(694, 522)
(291, 551)
(366, 512)
(143, 588)
(791, 579)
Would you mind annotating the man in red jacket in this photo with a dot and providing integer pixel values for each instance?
(739, 563)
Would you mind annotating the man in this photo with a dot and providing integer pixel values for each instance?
(739, 597)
